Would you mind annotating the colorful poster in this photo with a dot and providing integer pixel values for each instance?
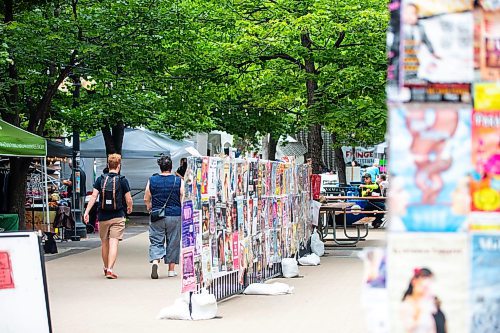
(187, 230)
(221, 238)
(204, 176)
(236, 252)
(487, 40)
(197, 222)
(188, 270)
(211, 215)
(212, 176)
(206, 260)
(374, 290)
(485, 283)
(430, 147)
(485, 187)
(427, 279)
(6, 276)
(437, 38)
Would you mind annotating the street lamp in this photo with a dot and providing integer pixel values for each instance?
(80, 228)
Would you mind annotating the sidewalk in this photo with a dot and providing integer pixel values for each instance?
(82, 300)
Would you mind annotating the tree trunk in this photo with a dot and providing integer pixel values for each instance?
(315, 147)
(314, 138)
(19, 167)
(265, 147)
(113, 138)
(273, 143)
(339, 161)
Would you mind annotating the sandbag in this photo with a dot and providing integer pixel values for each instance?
(289, 267)
(178, 311)
(310, 260)
(317, 246)
(204, 306)
(276, 288)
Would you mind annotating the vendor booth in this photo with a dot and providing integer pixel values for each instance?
(20, 143)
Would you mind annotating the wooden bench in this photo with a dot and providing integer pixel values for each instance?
(364, 220)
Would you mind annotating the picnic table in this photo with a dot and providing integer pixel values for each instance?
(340, 208)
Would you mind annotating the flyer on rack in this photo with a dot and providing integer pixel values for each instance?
(485, 187)
(485, 282)
(374, 290)
(428, 282)
(430, 153)
(436, 39)
(487, 40)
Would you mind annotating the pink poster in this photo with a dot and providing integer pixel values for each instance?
(236, 255)
(188, 274)
(6, 280)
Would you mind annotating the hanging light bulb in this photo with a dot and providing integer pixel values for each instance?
(183, 99)
(199, 87)
(171, 87)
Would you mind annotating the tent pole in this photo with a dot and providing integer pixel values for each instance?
(46, 205)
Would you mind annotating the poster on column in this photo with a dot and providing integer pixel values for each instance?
(487, 40)
(428, 279)
(485, 187)
(485, 283)
(436, 39)
(188, 248)
(374, 290)
(430, 150)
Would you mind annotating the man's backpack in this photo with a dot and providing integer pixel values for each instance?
(111, 192)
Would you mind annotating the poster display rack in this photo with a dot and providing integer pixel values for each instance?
(240, 217)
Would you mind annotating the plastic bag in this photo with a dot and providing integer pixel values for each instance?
(276, 288)
(317, 246)
(204, 306)
(310, 260)
(315, 207)
(178, 311)
(289, 267)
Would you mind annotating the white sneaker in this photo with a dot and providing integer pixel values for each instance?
(172, 273)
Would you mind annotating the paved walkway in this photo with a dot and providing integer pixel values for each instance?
(327, 298)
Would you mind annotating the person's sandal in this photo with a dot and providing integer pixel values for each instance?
(154, 271)
(110, 275)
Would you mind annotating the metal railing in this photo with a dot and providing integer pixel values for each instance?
(229, 284)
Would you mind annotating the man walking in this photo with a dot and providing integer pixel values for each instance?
(114, 197)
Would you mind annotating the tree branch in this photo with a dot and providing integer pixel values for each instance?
(340, 39)
(283, 56)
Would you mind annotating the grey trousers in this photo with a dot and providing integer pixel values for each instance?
(165, 239)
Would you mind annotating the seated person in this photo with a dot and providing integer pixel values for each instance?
(383, 184)
(368, 188)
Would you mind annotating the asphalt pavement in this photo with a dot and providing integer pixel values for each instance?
(327, 298)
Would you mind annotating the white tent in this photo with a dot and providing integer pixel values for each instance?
(139, 154)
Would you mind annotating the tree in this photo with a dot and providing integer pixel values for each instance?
(122, 48)
(298, 64)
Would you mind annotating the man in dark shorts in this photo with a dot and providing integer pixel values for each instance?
(113, 191)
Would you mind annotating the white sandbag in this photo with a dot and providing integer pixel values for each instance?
(289, 267)
(178, 311)
(317, 246)
(204, 306)
(276, 288)
(310, 260)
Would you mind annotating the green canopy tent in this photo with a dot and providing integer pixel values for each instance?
(20, 143)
